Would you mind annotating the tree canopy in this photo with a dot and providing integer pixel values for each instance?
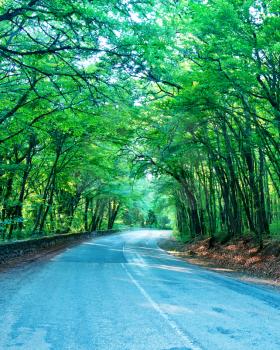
(150, 113)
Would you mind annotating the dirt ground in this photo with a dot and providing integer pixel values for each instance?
(240, 258)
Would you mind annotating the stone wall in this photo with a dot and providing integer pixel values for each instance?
(12, 250)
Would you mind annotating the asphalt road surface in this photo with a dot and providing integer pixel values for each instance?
(122, 292)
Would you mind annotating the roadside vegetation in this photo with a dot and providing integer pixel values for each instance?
(149, 113)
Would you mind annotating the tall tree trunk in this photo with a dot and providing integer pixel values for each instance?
(113, 209)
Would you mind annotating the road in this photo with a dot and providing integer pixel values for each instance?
(122, 292)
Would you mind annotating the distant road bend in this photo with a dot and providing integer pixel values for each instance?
(122, 292)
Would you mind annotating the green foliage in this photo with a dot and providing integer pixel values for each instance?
(218, 138)
(144, 113)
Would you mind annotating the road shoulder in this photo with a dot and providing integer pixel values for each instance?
(225, 267)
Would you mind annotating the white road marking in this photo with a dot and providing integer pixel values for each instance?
(187, 340)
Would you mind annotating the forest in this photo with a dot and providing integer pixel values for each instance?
(145, 113)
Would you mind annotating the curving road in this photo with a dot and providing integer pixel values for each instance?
(122, 292)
